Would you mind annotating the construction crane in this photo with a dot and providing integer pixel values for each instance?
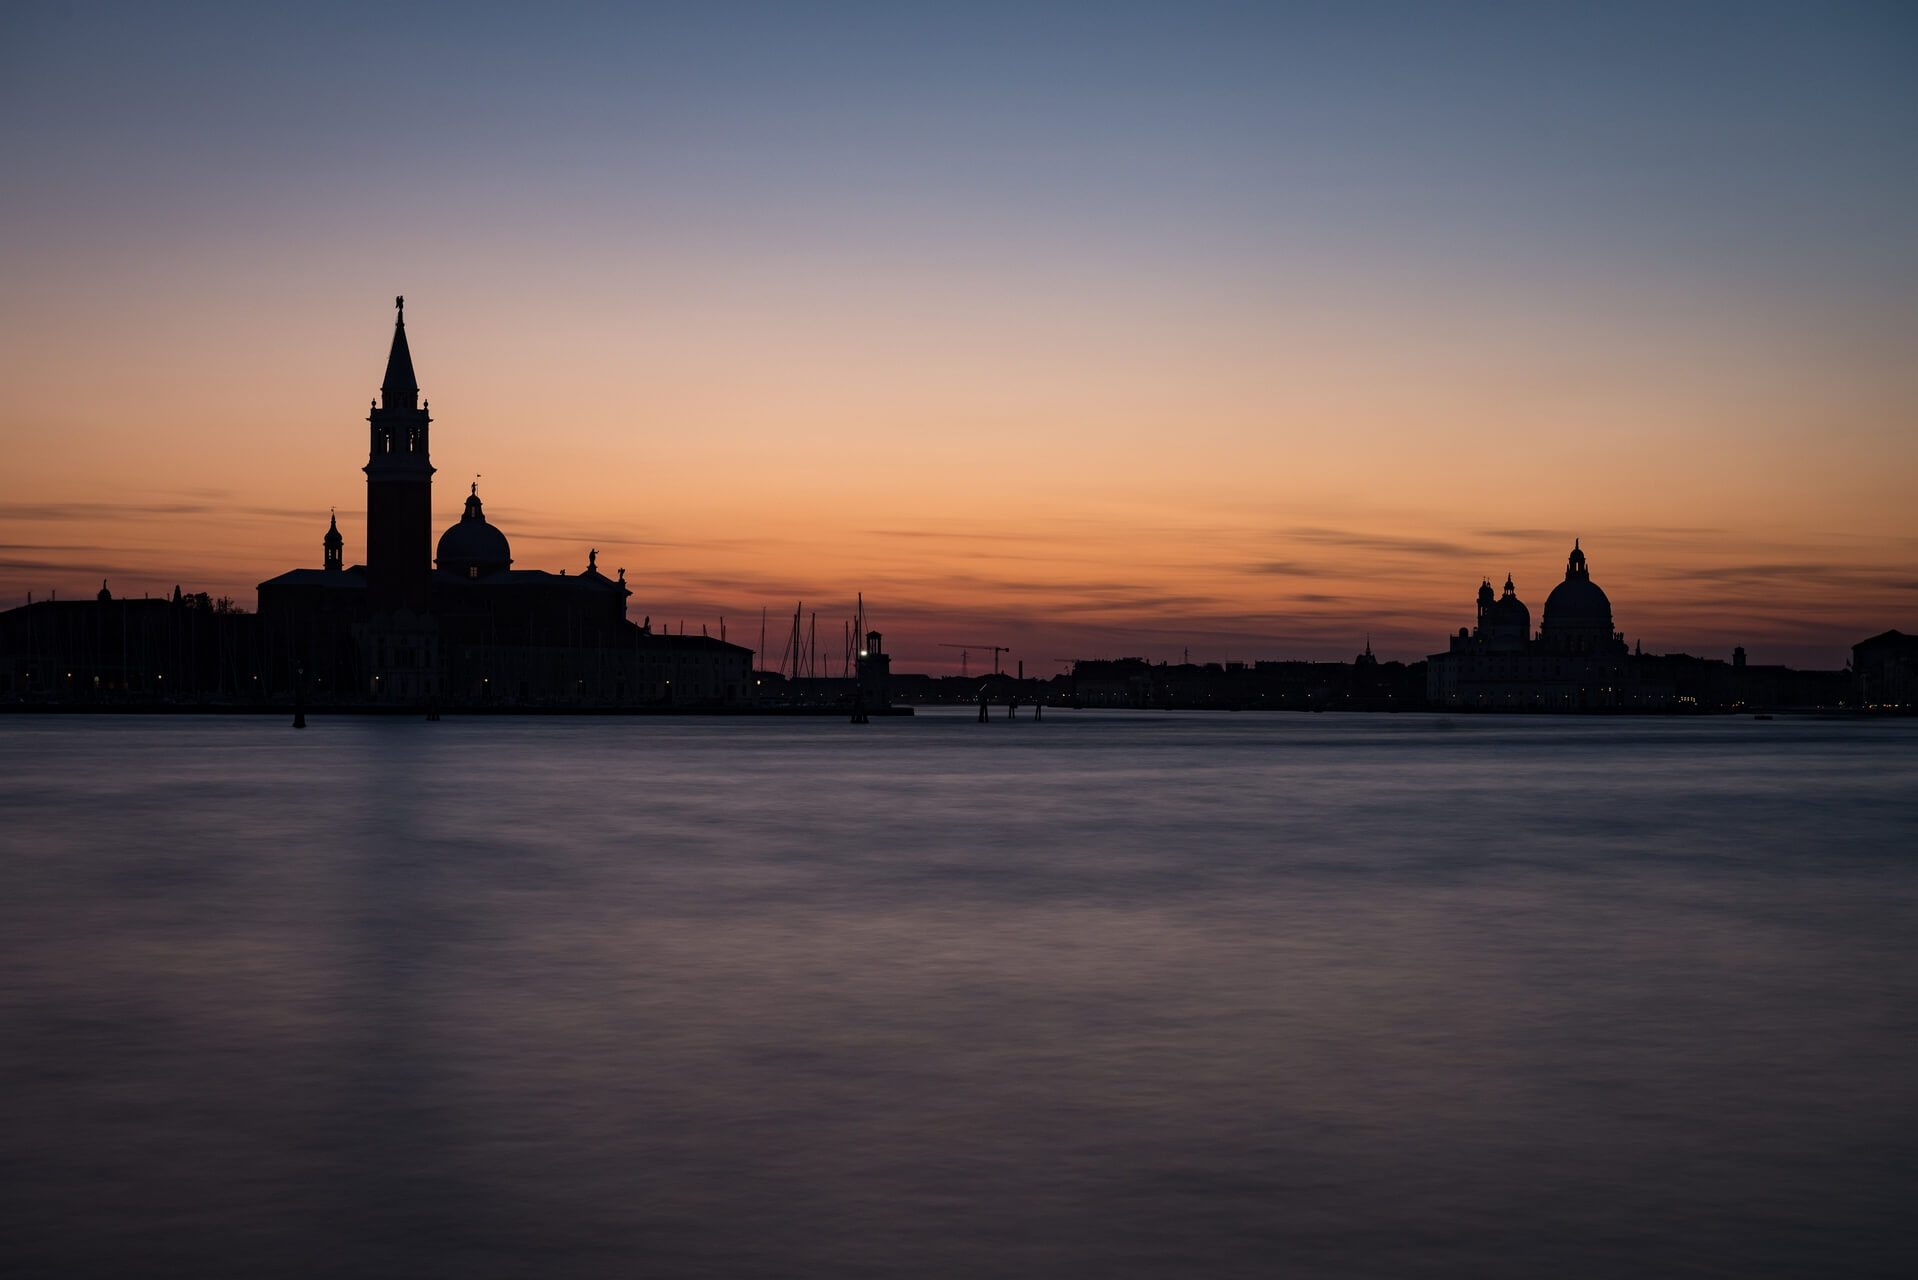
(965, 654)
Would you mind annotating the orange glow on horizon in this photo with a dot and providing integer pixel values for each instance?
(1072, 504)
(1249, 332)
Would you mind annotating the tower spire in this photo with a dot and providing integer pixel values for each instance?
(399, 390)
(399, 486)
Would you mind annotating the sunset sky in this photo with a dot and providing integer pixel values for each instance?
(1091, 330)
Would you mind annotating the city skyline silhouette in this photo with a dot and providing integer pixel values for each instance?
(1247, 334)
(1069, 638)
(451, 624)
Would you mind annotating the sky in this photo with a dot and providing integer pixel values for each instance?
(1241, 331)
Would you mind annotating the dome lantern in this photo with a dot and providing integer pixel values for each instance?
(473, 548)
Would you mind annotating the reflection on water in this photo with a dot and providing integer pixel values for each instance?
(1105, 995)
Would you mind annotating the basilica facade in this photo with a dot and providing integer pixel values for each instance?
(456, 623)
(1575, 661)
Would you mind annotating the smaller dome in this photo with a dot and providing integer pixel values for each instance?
(1505, 624)
(1510, 611)
(473, 548)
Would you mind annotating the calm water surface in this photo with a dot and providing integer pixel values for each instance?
(1106, 995)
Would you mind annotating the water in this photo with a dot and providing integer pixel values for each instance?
(1106, 995)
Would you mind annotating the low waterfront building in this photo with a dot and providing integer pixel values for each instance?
(110, 650)
(1364, 684)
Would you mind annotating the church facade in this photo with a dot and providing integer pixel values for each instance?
(1575, 662)
(456, 624)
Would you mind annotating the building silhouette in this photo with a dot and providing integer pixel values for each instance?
(464, 630)
(186, 649)
(459, 625)
(1886, 667)
(1575, 662)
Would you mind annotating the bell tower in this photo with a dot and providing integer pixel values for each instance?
(399, 486)
(334, 545)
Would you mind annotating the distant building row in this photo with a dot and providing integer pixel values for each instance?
(1577, 662)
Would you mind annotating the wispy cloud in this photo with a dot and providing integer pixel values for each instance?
(1283, 569)
(99, 510)
(1361, 541)
(1798, 576)
(58, 511)
(69, 569)
(48, 546)
(945, 535)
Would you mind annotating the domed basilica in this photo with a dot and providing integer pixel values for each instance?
(1576, 661)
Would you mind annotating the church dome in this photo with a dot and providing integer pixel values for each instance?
(1510, 611)
(473, 548)
(1511, 614)
(1504, 623)
(1578, 604)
